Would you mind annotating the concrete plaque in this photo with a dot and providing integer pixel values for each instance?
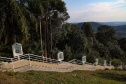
(60, 56)
(17, 49)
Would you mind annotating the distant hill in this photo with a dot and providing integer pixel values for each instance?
(113, 23)
(120, 27)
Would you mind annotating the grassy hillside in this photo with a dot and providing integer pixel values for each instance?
(75, 77)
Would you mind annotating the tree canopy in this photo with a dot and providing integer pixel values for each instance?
(15, 22)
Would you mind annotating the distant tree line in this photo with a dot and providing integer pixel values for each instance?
(22, 20)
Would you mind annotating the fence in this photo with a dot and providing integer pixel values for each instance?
(75, 61)
(41, 63)
(33, 62)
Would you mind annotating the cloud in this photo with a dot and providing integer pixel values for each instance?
(105, 6)
(102, 11)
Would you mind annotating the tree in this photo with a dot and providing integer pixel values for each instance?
(87, 29)
(106, 34)
(67, 53)
(89, 33)
(103, 50)
(15, 22)
(76, 40)
(54, 12)
(122, 43)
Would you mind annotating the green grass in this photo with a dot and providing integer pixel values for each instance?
(75, 77)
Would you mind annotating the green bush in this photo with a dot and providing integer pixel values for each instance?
(116, 62)
(67, 53)
(100, 60)
(5, 51)
(91, 58)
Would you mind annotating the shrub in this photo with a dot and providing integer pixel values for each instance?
(5, 51)
(116, 62)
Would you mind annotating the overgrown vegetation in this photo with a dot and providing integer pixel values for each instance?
(19, 22)
(75, 77)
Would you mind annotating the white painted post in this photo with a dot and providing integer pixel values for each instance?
(29, 60)
(84, 60)
(96, 63)
(105, 63)
(13, 65)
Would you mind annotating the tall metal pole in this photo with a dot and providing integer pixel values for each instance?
(41, 34)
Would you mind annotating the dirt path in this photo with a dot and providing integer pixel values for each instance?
(25, 65)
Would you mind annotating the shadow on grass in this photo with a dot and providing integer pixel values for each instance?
(112, 76)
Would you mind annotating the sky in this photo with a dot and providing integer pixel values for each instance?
(96, 10)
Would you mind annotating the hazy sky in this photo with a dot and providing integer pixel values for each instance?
(96, 10)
